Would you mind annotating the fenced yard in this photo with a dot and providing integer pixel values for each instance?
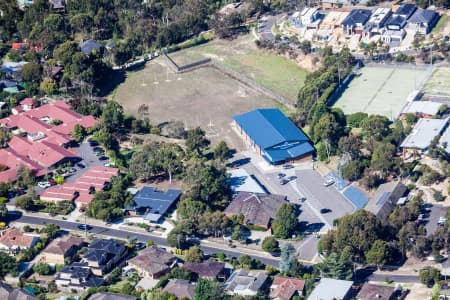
(380, 90)
(204, 97)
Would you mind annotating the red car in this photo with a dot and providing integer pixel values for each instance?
(52, 182)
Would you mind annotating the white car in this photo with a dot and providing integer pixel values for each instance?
(108, 165)
(44, 184)
(328, 182)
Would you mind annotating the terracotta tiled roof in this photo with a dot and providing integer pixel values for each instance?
(62, 245)
(58, 194)
(14, 238)
(27, 101)
(284, 288)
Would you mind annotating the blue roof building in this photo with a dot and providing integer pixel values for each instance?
(423, 20)
(273, 135)
(152, 204)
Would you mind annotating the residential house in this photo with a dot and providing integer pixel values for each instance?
(421, 136)
(12, 240)
(58, 6)
(58, 250)
(333, 19)
(77, 276)
(207, 269)
(7, 83)
(422, 109)
(103, 255)
(258, 209)
(331, 289)
(245, 283)
(110, 296)
(377, 292)
(284, 288)
(180, 288)
(385, 198)
(423, 20)
(377, 21)
(273, 136)
(395, 32)
(152, 262)
(355, 21)
(90, 46)
(309, 17)
(152, 203)
(8, 293)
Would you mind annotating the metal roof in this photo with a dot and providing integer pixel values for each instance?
(423, 107)
(405, 10)
(356, 196)
(274, 133)
(330, 289)
(423, 133)
(424, 16)
(444, 142)
(241, 181)
(90, 45)
(159, 202)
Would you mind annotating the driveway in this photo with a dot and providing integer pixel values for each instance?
(265, 25)
(436, 212)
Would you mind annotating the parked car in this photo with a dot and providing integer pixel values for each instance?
(288, 166)
(93, 143)
(283, 181)
(44, 184)
(109, 165)
(72, 170)
(98, 149)
(302, 199)
(325, 210)
(280, 175)
(328, 182)
(80, 165)
(52, 182)
(102, 157)
(290, 178)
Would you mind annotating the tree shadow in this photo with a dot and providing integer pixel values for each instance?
(112, 82)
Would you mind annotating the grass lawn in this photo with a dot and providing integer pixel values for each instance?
(439, 82)
(269, 69)
(443, 21)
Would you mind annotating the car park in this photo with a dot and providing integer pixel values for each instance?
(328, 182)
(44, 184)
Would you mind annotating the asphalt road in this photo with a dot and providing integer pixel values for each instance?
(72, 226)
(265, 27)
(395, 278)
(436, 212)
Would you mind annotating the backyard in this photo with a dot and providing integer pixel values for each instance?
(268, 69)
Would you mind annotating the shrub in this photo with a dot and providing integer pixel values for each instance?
(437, 195)
(270, 244)
(42, 268)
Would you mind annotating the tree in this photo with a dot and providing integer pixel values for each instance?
(8, 264)
(24, 202)
(429, 276)
(353, 170)
(286, 222)
(48, 86)
(32, 72)
(355, 120)
(196, 141)
(78, 133)
(182, 273)
(51, 230)
(221, 151)
(333, 267)
(112, 116)
(383, 157)
(4, 137)
(3, 211)
(237, 233)
(350, 144)
(270, 244)
(190, 209)
(208, 289)
(24, 177)
(194, 254)
(287, 257)
(379, 254)
(42, 268)
(376, 127)
(215, 223)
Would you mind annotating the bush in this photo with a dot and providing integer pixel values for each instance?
(429, 276)
(42, 269)
(354, 120)
(437, 196)
(270, 244)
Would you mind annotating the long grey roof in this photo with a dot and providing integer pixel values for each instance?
(424, 132)
(422, 107)
(444, 142)
(385, 198)
(330, 289)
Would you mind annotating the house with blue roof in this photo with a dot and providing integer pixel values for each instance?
(355, 21)
(152, 204)
(423, 20)
(273, 136)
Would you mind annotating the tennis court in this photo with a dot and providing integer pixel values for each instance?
(380, 90)
(439, 82)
